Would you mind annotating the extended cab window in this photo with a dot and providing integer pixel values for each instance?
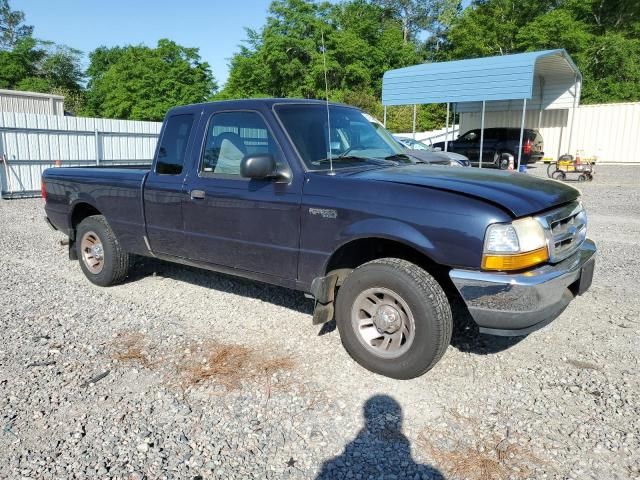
(230, 137)
(173, 146)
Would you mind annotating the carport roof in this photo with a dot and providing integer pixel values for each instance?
(505, 77)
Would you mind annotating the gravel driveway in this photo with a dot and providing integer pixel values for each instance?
(181, 373)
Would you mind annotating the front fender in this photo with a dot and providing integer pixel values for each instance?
(388, 229)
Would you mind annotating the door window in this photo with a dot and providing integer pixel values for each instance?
(231, 136)
(471, 136)
(173, 146)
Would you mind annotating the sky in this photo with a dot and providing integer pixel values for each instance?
(216, 27)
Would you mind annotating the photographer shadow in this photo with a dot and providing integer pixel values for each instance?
(380, 450)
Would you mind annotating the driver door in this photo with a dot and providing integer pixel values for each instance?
(232, 221)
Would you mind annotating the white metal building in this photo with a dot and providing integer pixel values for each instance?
(609, 132)
(31, 102)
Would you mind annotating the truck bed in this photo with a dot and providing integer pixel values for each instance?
(116, 191)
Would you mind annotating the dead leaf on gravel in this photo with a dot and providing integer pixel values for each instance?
(131, 346)
(495, 458)
(228, 365)
(582, 365)
(194, 363)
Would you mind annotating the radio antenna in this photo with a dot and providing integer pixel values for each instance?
(326, 92)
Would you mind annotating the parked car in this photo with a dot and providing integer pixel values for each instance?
(269, 189)
(421, 150)
(499, 147)
(429, 157)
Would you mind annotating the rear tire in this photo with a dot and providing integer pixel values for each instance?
(558, 175)
(502, 160)
(416, 308)
(101, 257)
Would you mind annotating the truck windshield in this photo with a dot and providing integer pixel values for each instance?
(353, 139)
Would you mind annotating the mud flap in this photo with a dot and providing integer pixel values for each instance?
(323, 290)
(322, 313)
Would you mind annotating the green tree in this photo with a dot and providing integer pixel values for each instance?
(602, 36)
(415, 15)
(20, 62)
(40, 67)
(12, 26)
(284, 58)
(142, 83)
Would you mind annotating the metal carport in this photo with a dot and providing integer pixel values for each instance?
(535, 81)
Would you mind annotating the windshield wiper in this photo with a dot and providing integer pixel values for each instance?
(402, 156)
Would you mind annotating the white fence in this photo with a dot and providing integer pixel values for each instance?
(606, 131)
(31, 143)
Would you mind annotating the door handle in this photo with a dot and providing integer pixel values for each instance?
(197, 194)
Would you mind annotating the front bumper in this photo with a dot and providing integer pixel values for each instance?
(517, 304)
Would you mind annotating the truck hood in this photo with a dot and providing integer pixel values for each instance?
(519, 193)
(426, 157)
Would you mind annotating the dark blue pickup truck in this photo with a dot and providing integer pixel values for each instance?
(307, 195)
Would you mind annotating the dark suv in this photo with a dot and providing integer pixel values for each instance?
(500, 144)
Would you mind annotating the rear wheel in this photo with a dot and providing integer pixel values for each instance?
(102, 259)
(502, 160)
(558, 175)
(394, 318)
(582, 177)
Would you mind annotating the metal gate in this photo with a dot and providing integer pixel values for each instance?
(31, 143)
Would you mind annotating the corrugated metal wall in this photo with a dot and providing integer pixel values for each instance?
(31, 102)
(607, 131)
(30, 143)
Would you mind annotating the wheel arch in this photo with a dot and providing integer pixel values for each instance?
(360, 250)
(357, 251)
(79, 211)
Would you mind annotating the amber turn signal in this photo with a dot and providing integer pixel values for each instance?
(517, 261)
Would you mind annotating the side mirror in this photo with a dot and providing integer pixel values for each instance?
(258, 166)
(437, 149)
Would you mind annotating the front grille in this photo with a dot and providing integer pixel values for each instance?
(566, 230)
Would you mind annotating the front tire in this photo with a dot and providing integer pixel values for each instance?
(394, 318)
(102, 259)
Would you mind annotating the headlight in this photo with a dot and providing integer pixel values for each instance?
(514, 246)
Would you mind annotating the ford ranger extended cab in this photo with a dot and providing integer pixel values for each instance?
(307, 195)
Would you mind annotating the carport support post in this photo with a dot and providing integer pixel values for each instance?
(573, 113)
(524, 112)
(97, 140)
(414, 120)
(384, 118)
(481, 134)
(446, 134)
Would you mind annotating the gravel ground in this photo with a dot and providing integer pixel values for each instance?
(181, 373)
